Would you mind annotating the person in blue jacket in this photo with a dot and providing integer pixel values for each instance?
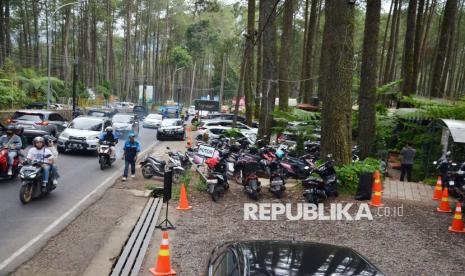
(131, 149)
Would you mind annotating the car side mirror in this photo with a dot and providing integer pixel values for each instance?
(65, 124)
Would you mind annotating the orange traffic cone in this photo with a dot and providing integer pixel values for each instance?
(188, 128)
(377, 185)
(376, 200)
(183, 202)
(163, 266)
(444, 206)
(438, 190)
(457, 223)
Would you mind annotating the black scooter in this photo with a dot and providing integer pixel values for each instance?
(217, 180)
(277, 182)
(31, 181)
(319, 188)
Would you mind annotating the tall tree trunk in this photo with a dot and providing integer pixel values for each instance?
(308, 79)
(304, 51)
(35, 14)
(388, 23)
(409, 45)
(367, 96)
(337, 73)
(269, 68)
(286, 38)
(445, 39)
(2, 33)
(259, 71)
(249, 69)
(109, 41)
(418, 40)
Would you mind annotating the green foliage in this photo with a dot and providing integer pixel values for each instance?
(101, 89)
(233, 132)
(200, 35)
(180, 57)
(348, 175)
(201, 185)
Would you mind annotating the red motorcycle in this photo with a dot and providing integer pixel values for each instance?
(4, 165)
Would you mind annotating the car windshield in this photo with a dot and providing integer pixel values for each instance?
(154, 116)
(86, 124)
(28, 117)
(168, 123)
(122, 119)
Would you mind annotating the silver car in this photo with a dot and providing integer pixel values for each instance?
(39, 122)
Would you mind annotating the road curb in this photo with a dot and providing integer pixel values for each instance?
(31, 248)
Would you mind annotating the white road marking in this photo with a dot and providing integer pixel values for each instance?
(37, 238)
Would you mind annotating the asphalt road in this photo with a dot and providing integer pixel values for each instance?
(80, 175)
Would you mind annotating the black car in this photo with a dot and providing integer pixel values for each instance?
(171, 128)
(102, 113)
(287, 258)
(140, 111)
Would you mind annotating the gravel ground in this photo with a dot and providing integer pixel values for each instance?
(416, 243)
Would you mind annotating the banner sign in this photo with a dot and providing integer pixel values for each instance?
(207, 105)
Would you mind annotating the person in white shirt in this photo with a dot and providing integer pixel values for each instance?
(40, 153)
(50, 144)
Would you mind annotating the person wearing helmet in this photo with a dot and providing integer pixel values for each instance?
(112, 138)
(50, 143)
(131, 149)
(19, 130)
(40, 153)
(12, 142)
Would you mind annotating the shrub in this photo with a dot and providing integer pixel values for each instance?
(348, 175)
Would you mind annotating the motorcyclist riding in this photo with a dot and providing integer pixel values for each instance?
(19, 130)
(40, 153)
(50, 144)
(112, 138)
(12, 142)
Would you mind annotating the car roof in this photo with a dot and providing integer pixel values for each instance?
(36, 111)
(309, 258)
(93, 118)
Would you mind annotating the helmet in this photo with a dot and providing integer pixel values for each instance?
(212, 162)
(38, 139)
(109, 129)
(19, 128)
(280, 153)
(132, 134)
(48, 138)
(10, 129)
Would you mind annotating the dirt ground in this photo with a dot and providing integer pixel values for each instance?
(416, 243)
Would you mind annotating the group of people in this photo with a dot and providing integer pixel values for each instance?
(131, 149)
(43, 151)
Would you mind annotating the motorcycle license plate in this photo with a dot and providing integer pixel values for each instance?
(212, 181)
(231, 166)
(451, 183)
(276, 182)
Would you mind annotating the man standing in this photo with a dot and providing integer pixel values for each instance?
(131, 149)
(408, 155)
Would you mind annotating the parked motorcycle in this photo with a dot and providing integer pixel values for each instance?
(248, 169)
(152, 166)
(104, 156)
(277, 182)
(4, 165)
(446, 168)
(325, 184)
(31, 181)
(217, 181)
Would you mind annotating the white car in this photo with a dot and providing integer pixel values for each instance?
(204, 125)
(217, 131)
(152, 121)
(83, 133)
(191, 110)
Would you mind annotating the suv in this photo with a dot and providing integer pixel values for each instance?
(83, 133)
(39, 122)
(171, 128)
